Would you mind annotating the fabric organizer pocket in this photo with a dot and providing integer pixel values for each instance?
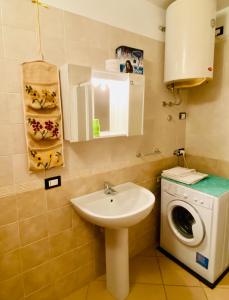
(41, 96)
(43, 127)
(44, 159)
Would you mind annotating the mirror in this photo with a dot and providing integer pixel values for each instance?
(99, 104)
(102, 107)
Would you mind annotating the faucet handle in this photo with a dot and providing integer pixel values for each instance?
(107, 184)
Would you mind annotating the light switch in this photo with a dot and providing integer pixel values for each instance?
(52, 182)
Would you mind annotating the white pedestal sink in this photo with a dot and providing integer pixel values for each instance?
(130, 205)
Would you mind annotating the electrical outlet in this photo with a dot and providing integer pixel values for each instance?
(52, 182)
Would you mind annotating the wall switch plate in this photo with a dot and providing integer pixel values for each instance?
(182, 115)
(52, 182)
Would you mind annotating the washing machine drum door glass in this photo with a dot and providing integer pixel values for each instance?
(185, 223)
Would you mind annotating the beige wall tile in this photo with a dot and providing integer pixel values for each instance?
(12, 76)
(31, 204)
(84, 254)
(58, 197)
(86, 273)
(205, 134)
(85, 232)
(77, 53)
(15, 103)
(3, 80)
(203, 164)
(37, 278)
(33, 229)
(9, 265)
(19, 140)
(9, 238)
(1, 43)
(59, 219)
(6, 191)
(53, 49)
(12, 289)
(8, 210)
(62, 242)
(35, 254)
(52, 25)
(4, 109)
(64, 264)
(19, 43)
(47, 293)
(78, 28)
(23, 176)
(209, 165)
(6, 141)
(99, 254)
(20, 13)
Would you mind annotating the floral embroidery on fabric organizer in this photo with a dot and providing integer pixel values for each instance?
(43, 127)
(41, 97)
(44, 159)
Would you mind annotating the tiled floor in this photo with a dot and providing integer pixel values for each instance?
(154, 277)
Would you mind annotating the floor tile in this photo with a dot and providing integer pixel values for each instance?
(185, 293)
(146, 292)
(145, 270)
(159, 253)
(148, 252)
(101, 278)
(80, 294)
(224, 283)
(173, 274)
(217, 293)
(97, 291)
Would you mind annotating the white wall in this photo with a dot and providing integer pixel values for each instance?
(138, 16)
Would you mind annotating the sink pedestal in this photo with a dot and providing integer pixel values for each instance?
(117, 262)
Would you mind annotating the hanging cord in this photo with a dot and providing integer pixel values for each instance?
(38, 3)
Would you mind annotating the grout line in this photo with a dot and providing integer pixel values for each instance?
(206, 296)
(158, 262)
(86, 296)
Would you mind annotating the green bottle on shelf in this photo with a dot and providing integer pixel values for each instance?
(96, 128)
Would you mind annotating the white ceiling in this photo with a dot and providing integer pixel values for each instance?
(165, 3)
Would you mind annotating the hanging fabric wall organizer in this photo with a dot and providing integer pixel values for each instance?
(42, 115)
(42, 110)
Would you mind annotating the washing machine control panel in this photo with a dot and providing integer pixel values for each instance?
(187, 194)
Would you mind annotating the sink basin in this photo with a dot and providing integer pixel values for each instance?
(130, 205)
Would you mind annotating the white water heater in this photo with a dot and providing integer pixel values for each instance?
(189, 42)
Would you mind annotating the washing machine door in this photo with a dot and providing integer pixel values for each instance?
(185, 222)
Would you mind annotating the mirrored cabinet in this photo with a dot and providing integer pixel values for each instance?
(99, 104)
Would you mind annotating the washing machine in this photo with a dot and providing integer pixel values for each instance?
(195, 226)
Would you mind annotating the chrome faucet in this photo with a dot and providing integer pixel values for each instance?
(108, 190)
